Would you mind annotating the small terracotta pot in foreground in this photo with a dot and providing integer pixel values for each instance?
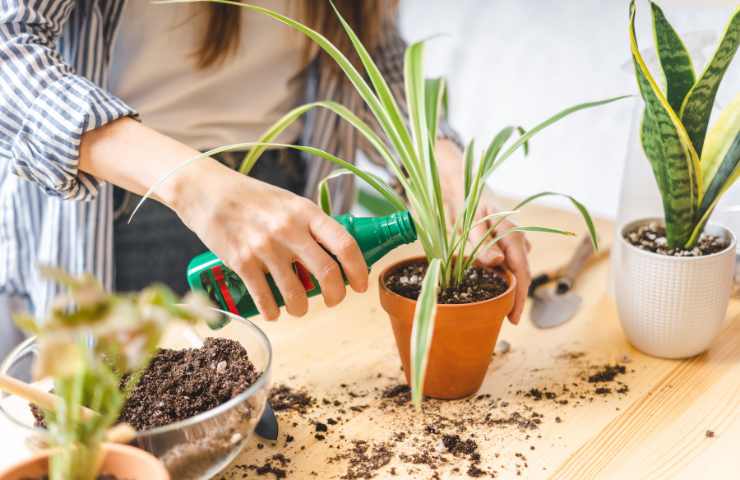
(122, 461)
(463, 341)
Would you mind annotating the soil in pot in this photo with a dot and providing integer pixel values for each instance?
(479, 283)
(652, 237)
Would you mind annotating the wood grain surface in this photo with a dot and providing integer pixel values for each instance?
(656, 429)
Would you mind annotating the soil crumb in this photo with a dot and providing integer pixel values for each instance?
(283, 397)
(607, 373)
(709, 434)
(652, 237)
(478, 284)
(365, 459)
(180, 384)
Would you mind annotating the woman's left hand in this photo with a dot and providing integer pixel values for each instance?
(511, 250)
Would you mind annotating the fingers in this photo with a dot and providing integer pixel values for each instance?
(329, 233)
(326, 270)
(515, 249)
(487, 255)
(251, 271)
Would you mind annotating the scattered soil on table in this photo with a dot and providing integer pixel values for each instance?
(652, 237)
(709, 434)
(478, 284)
(484, 436)
(180, 384)
(282, 397)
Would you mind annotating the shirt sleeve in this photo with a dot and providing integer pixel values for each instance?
(389, 57)
(45, 107)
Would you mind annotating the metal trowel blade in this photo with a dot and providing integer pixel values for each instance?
(551, 309)
(267, 427)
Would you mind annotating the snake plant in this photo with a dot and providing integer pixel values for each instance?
(408, 148)
(694, 164)
(88, 341)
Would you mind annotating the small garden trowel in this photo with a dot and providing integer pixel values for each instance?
(556, 304)
(267, 427)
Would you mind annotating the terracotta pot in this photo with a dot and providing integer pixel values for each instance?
(463, 340)
(123, 461)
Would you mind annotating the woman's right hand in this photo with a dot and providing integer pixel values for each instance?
(256, 228)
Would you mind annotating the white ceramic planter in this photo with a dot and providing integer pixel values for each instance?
(672, 307)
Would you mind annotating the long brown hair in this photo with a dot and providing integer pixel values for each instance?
(368, 18)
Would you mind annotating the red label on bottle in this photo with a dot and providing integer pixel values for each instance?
(304, 276)
(218, 275)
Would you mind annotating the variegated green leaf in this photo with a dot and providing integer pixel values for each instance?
(697, 106)
(674, 59)
(422, 331)
(719, 139)
(668, 147)
(578, 205)
(324, 199)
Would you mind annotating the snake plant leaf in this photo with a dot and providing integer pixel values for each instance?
(717, 160)
(669, 149)
(675, 60)
(697, 106)
(422, 330)
(732, 158)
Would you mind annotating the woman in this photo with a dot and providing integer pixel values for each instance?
(76, 76)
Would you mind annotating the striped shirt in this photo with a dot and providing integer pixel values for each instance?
(54, 72)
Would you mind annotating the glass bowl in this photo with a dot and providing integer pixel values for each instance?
(196, 448)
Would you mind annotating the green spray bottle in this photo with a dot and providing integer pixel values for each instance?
(375, 237)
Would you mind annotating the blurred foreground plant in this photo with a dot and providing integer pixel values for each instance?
(90, 342)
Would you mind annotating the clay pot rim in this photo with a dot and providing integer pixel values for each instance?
(157, 467)
(669, 258)
(383, 274)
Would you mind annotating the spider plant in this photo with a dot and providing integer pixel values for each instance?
(90, 339)
(407, 145)
(693, 164)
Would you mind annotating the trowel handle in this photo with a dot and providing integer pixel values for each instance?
(575, 265)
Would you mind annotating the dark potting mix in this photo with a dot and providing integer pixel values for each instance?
(179, 384)
(652, 237)
(478, 284)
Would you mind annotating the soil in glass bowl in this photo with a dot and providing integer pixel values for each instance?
(179, 384)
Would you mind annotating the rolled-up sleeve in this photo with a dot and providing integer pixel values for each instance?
(45, 107)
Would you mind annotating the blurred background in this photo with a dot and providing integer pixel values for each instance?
(513, 62)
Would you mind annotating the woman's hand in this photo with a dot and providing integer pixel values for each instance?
(256, 228)
(511, 250)
(253, 227)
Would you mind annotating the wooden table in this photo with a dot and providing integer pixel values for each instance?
(657, 429)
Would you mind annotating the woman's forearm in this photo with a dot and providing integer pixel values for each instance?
(134, 157)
